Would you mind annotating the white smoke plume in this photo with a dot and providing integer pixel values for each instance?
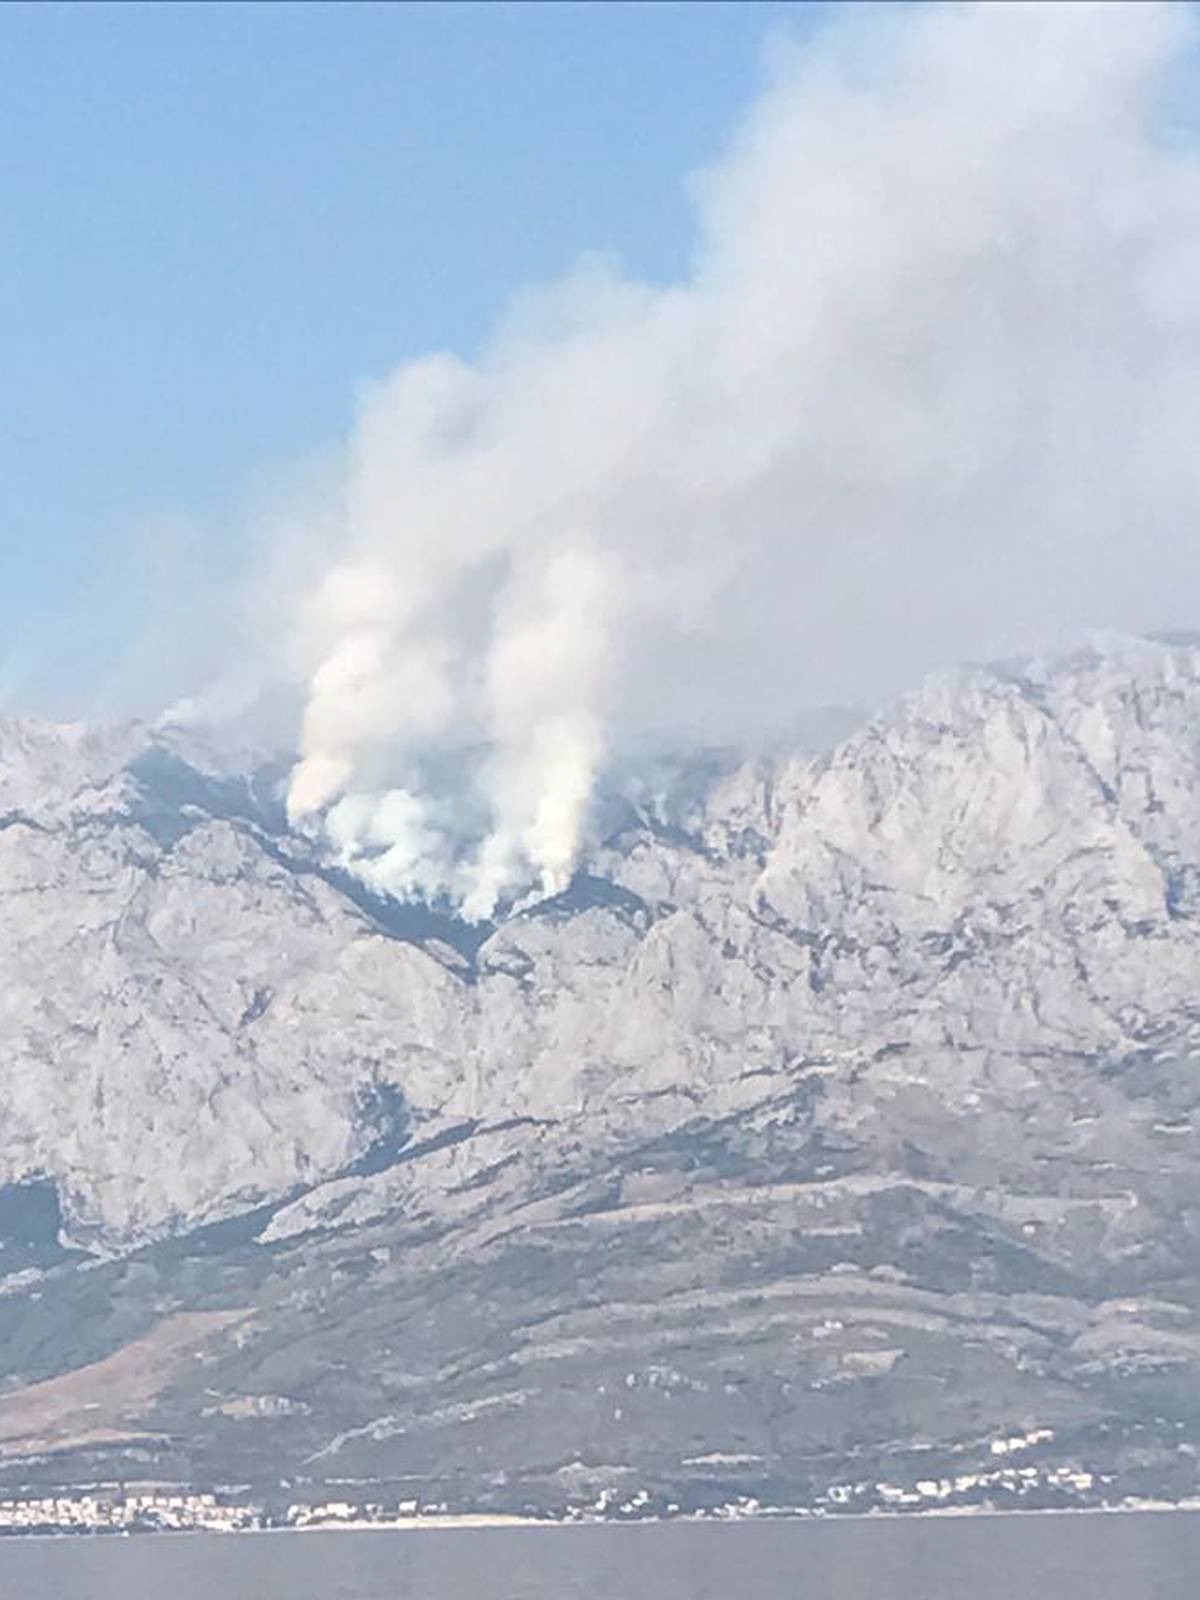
(931, 391)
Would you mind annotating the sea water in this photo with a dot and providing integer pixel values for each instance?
(1101, 1556)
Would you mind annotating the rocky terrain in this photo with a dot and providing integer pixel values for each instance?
(830, 1136)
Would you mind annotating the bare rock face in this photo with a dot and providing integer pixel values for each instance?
(900, 1042)
(197, 1018)
(190, 1024)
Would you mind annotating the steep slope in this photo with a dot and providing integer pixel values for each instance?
(190, 1024)
(837, 1119)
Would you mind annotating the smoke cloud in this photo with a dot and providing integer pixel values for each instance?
(929, 392)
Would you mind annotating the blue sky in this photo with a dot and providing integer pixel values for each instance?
(220, 220)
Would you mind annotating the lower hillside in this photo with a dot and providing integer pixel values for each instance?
(746, 1311)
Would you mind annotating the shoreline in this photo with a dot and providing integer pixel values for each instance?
(487, 1522)
(484, 1520)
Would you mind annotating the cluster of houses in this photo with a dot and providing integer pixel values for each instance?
(335, 1513)
(106, 1512)
(969, 1487)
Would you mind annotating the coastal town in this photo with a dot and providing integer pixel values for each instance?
(107, 1509)
(1020, 1484)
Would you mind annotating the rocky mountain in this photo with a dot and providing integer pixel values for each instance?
(829, 1140)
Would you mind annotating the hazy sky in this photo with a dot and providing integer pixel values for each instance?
(218, 221)
(571, 380)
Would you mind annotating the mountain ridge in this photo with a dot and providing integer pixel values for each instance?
(900, 1041)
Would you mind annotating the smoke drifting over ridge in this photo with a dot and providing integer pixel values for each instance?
(929, 392)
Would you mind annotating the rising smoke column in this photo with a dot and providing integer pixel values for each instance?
(929, 392)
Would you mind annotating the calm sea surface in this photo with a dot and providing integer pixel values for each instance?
(1135, 1556)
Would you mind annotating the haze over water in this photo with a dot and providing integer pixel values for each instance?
(1136, 1556)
